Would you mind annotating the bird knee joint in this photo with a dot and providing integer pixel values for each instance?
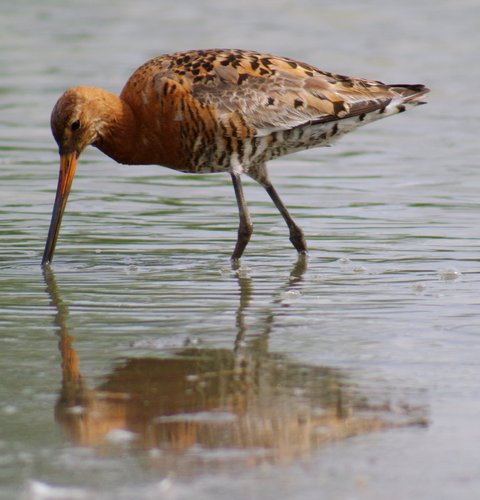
(245, 230)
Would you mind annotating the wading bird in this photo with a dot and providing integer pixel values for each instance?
(217, 110)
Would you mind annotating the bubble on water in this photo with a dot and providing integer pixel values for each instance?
(165, 485)
(120, 436)
(322, 430)
(132, 269)
(419, 287)
(290, 296)
(243, 272)
(167, 342)
(76, 410)
(155, 453)
(359, 269)
(10, 410)
(229, 454)
(299, 391)
(449, 274)
(44, 491)
(191, 341)
(242, 344)
(205, 417)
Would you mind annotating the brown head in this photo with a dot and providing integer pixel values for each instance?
(77, 121)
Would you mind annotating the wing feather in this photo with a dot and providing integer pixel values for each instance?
(273, 93)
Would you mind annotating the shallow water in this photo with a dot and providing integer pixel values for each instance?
(143, 365)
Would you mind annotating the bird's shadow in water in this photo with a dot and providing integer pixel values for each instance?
(200, 407)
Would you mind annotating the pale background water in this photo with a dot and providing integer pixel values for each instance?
(390, 297)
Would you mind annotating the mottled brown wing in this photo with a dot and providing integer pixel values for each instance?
(272, 93)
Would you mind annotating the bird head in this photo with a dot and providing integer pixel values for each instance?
(75, 119)
(75, 123)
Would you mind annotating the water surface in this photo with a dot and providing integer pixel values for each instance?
(143, 365)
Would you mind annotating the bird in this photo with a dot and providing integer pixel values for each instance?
(217, 110)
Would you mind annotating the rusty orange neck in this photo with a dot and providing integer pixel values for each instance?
(117, 129)
(131, 132)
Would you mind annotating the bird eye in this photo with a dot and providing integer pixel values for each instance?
(75, 125)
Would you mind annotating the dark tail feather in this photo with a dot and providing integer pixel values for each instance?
(411, 93)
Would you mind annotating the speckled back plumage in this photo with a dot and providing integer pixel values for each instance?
(236, 109)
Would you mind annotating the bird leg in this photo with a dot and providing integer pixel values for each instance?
(245, 227)
(296, 234)
(259, 173)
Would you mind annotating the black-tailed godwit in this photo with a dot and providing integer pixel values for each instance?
(217, 110)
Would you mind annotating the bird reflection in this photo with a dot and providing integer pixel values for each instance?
(201, 406)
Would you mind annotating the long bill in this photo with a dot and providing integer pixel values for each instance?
(68, 165)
